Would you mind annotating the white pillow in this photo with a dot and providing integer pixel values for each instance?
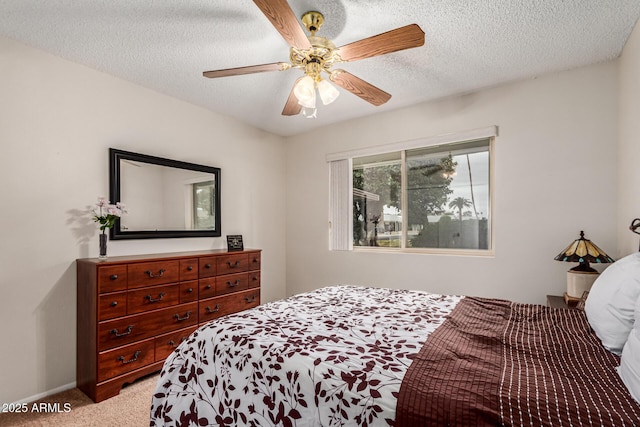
(629, 369)
(612, 301)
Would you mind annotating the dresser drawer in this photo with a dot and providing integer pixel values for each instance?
(213, 308)
(188, 291)
(207, 266)
(153, 273)
(188, 269)
(207, 288)
(152, 298)
(165, 344)
(254, 261)
(232, 283)
(254, 279)
(112, 305)
(124, 359)
(112, 278)
(125, 330)
(236, 263)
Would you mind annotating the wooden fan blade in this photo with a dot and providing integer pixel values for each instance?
(391, 41)
(359, 87)
(282, 17)
(276, 66)
(292, 108)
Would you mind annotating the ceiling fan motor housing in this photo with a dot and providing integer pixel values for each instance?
(322, 55)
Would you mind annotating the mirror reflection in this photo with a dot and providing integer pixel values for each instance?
(164, 198)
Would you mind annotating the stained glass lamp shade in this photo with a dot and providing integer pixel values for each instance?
(581, 277)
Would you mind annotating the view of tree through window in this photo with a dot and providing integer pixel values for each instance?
(376, 196)
(445, 203)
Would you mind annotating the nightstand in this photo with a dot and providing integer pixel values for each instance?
(557, 301)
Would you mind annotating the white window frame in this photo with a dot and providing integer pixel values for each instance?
(341, 191)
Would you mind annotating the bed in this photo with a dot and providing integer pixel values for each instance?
(349, 355)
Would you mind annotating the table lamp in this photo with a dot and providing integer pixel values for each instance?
(581, 277)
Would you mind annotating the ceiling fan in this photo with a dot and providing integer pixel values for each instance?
(316, 55)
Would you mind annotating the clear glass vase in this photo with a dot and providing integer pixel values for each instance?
(103, 246)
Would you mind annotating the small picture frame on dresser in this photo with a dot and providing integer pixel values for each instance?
(234, 243)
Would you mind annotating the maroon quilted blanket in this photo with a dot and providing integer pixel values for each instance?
(498, 363)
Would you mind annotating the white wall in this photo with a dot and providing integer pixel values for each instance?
(555, 174)
(57, 121)
(629, 144)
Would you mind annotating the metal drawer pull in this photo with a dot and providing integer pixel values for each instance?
(190, 290)
(207, 266)
(209, 310)
(115, 331)
(208, 286)
(173, 344)
(160, 273)
(190, 268)
(179, 319)
(237, 263)
(252, 299)
(135, 357)
(114, 303)
(160, 296)
(114, 277)
(233, 285)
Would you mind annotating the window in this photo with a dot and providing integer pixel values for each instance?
(377, 197)
(432, 198)
(448, 196)
(203, 194)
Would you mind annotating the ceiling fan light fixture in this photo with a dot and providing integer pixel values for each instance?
(309, 113)
(328, 92)
(305, 92)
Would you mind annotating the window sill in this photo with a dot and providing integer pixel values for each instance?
(481, 253)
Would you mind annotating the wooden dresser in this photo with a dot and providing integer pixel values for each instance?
(133, 311)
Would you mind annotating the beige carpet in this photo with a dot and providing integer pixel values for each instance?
(129, 408)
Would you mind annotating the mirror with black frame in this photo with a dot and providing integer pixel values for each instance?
(164, 198)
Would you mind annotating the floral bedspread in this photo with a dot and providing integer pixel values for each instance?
(334, 356)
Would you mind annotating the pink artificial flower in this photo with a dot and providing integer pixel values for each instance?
(102, 202)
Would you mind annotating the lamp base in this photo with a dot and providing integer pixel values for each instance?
(580, 281)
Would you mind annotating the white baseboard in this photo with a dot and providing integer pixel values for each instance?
(47, 393)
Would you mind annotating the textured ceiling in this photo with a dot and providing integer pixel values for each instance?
(165, 45)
